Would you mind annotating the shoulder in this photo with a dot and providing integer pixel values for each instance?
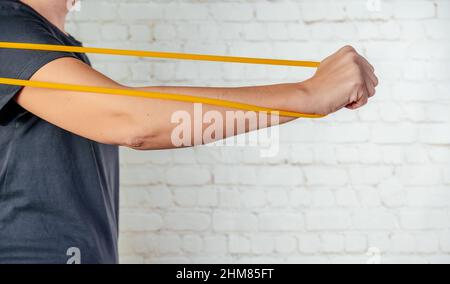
(19, 24)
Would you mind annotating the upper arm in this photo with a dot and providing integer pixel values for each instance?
(101, 118)
(98, 117)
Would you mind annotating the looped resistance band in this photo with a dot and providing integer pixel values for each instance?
(155, 95)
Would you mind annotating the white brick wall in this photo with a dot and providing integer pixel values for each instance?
(379, 177)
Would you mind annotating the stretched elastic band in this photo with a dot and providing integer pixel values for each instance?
(155, 95)
(154, 54)
(151, 95)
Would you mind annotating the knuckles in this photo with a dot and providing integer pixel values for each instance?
(356, 77)
(348, 49)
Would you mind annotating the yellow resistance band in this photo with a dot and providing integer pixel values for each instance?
(154, 95)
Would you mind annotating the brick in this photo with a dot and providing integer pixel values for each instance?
(235, 175)
(188, 176)
(281, 176)
(327, 220)
(368, 30)
(277, 31)
(444, 241)
(89, 31)
(419, 175)
(284, 222)
(315, 175)
(374, 219)
(323, 198)
(439, 154)
(141, 72)
(187, 221)
(435, 134)
(347, 31)
(370, 154)
(164, 32)
(392, 192)
(346, 154)
(114, 32)
(298, 31)
(285, 244)
(134, 11)
(325, 154)
(370, 175)
(207, 197)
(192, 243)
(232, 12)
(140, 222)
(355, 243)
(424, 219)
(262, 244)
(370, 198)
(414, 70)
(95, 11)
(215, 245)
(238, 244)
(301, 155)
(436, 29)
(414, 91)
(427, 243)
(403, 243)
(363, 11)
(234, 222)
(254, 198)
(394, 134)
(167, 244)
(414, 10)
(390, 30)
(185, 11)
(333, 243)
(335, 132)
(277, 198)
(309, 244)
(393, 154)
(435, 198)
(322, 10)
(150, 196)
(300, 198)
(427, 50)
(412, 30)
(230, 198)
(140, 33)
(277, 12)
(346, 197)
(378, 50)
(185, 197)
(443, 9)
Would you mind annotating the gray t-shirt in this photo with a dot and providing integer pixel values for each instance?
(58, 191)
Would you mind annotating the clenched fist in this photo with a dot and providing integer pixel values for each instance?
(345, 79)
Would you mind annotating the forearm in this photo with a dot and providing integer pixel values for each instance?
(344, 79)
(289, 97)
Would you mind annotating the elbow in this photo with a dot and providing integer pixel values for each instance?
(135, 142)
(139, 138)
(132, 130)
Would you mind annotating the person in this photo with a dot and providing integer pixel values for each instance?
(59, 165)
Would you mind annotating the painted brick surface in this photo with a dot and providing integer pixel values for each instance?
(376, 178)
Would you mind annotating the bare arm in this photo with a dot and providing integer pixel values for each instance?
(146, 123)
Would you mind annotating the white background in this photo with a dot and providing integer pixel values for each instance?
(375, 178)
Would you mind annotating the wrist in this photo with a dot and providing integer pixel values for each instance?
(305, 99)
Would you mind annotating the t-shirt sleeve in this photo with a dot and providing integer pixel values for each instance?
(22, 64)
